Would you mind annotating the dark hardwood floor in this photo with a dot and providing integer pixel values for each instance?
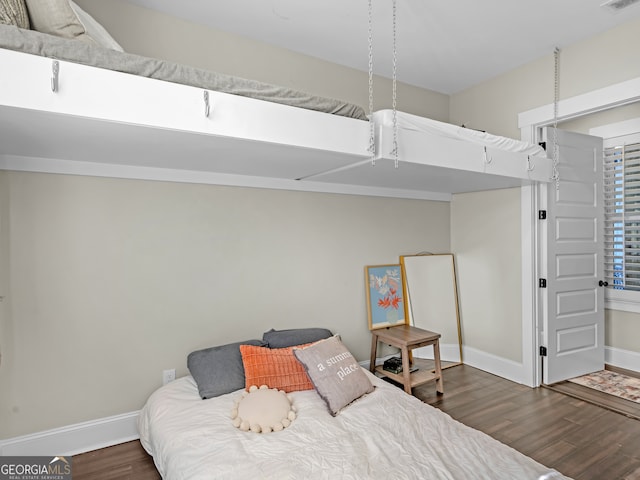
(577, 438)
(127, 461)
(611, 402)
(581, 440)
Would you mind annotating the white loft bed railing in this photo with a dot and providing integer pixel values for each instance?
(97, 121)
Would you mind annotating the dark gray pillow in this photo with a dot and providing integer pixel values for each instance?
(294, 336)
(218, 370)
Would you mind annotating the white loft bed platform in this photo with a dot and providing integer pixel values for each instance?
(104, 122)
(444, 158)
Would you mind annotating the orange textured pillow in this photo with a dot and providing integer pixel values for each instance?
(274, 367)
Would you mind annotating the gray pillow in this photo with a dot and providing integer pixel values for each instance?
(14, 12)
(55, 17)
(334, 372)
(64, 18)
(218, 370)
(94, 29)
(295, 336)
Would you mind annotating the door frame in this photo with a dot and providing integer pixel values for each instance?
(530, 124)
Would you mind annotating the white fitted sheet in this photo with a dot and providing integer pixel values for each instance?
(385, 434)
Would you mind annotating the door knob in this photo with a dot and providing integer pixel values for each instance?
(603, 283)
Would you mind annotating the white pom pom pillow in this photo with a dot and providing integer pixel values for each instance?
(263, 410)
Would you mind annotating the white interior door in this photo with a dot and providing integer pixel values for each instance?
(573, 301)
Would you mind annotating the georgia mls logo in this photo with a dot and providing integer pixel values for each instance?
(60, 466)
(35, 468)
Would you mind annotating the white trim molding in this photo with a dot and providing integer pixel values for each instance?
(623, 300)
(529, 233)
(626, 359)
(616, 95)
(448, 352)
(502, 367)
(618, 129)
(74, 439)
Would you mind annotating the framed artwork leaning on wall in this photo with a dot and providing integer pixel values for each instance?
(385, 301)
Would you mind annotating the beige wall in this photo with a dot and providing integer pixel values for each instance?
(154, 34)
(604, 60)
(622, 330)
(486, 243)
(113, 281)
(587, 122)
(595, 63)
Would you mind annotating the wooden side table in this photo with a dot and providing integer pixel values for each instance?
(406, 338)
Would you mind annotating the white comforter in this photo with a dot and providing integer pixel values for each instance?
(386, 434)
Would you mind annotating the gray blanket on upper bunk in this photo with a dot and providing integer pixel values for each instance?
(36, 43)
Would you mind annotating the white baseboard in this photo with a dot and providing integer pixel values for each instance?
(515, 371)
(487, 362)
(75, 439)
(502, 367)
(448, 352)
(622, 358)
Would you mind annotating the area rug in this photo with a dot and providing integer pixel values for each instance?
(612, 383)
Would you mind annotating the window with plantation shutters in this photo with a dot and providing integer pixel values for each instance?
(622, 212)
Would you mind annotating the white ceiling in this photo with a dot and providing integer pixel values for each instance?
(444, 45)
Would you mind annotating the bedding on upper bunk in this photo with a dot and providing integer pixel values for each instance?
(448, 130)
(45, 45)
(384, 434)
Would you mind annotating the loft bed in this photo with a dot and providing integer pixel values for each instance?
(71, 107)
